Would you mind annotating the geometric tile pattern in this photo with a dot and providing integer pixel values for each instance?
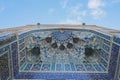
(113, 59)
(87, 67)
(44, 67)
(62, 76)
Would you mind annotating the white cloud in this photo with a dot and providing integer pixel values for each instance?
(50, 11)
(95, 7)
(94, 4)
(98, 13)
(64, 3)
(74, 14)
(77, 13)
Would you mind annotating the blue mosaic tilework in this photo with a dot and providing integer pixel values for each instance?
(101, 34)
(21, 46)
(85, 30)
(4, 75)
(104, 55)
(117, 40)
(106, 47)
(89, 67)
(58, 67)
(21, 36)
(62, 37)
(97, 67)
(22, 61)
(104, 58)
(102, 67)
(22, 66)
(21, 41)
(103, 62)
(22, 54)
(56, 76)
(107, 42)
(45, 67)
(101, 77)
(72, 66)
(36, 67)
(13, 46)
(25, 34)
(67, 67)
(113, 59)
(8, 71)
(118, 74)
(28, 67)
(7, 39)
(53, 66)
(62, 76)
(117, 77)
(2, 50)
(5, 34)
(80, 67)
(4, 67)
(63, 67)
(14, 50)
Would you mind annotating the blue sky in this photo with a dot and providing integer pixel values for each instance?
(95, 12)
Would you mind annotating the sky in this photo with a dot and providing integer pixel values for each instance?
(104, 13)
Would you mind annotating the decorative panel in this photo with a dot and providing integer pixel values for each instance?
(42, 70)
(22, 61)
(21, 41)
(104, 55)
(60, 37)
(106, 48)
(21, 46)
(118, 75)
(118, 69)
(7, 39)
(14, 49)
(101, 34)
(107, 42)
(63, 76)
(24, 34)
(3, 49)
(22, 54)
(117, 40)
(113, 59)
(4, 66)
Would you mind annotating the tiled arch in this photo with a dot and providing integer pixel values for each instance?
(15, 46)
